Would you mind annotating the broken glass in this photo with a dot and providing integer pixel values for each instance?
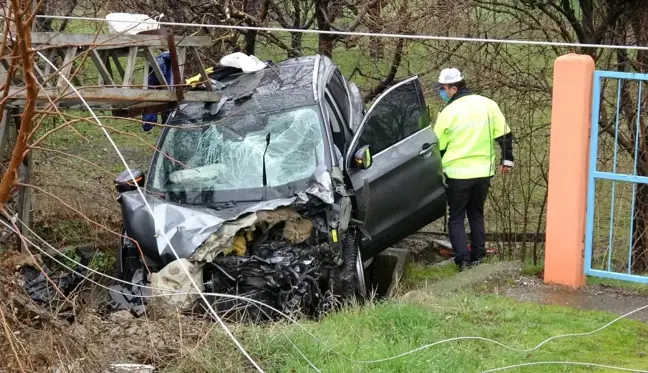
(227, 153)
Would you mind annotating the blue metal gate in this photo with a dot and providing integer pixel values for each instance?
(619, 136)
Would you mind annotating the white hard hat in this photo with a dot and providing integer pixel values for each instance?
(449, 76)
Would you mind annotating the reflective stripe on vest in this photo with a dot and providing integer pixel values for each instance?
(467, 129)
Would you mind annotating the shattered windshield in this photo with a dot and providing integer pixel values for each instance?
(212, 154)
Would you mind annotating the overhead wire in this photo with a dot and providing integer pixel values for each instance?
(357, 33)
(303, 328)
(348, 33)
(159, 228)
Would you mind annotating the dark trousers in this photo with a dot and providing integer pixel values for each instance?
(467, 197)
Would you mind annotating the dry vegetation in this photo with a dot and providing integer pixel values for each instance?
(71, 188)
(517, 76)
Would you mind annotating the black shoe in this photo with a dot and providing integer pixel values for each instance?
(462, 266)
(477, 257)
(477, 262)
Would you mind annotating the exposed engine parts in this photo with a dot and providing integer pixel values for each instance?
(292, 263)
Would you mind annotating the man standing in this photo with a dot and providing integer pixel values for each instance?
(468, 128)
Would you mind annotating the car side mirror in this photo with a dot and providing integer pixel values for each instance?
(124, 182)
(362, 158)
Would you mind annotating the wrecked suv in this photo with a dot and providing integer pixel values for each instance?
(281, 191)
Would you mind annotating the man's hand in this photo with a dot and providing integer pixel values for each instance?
(506, 166)
(505, 169)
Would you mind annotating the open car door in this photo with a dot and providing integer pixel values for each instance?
(394, 165)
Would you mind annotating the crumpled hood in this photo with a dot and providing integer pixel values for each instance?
(185, 227)
(188, 227)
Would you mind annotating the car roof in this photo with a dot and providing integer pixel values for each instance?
(293, 79)
(284, 85)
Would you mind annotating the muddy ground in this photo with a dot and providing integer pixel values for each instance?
(505, 278)
(96, 338)
(593, 297)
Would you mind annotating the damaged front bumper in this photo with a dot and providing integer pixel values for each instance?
(295, 255)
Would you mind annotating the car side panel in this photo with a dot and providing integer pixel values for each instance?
(403, 189)
(400, 193)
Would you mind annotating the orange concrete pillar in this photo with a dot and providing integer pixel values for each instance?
(568, 169)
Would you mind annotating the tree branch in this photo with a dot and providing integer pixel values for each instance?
(393, 69)
(31, 87)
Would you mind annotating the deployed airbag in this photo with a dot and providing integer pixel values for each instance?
(203, 173)
(248, 64)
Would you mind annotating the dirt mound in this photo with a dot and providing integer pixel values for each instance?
(123, 338)
(36, 338)
(38, 343)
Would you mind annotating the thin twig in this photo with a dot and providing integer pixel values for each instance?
(10, 338)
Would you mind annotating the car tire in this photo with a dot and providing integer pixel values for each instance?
(361, 280)
(353, 278)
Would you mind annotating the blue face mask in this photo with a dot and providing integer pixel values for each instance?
(444, 96)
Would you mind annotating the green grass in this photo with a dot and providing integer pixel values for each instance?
(387, 329)
(70, 231)
(383, 330)
(529, 269)
(95, 147)
(419, 274)
(524, 114)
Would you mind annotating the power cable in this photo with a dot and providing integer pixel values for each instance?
(159, 228)
(386, 35)
(292, 320)
(575, 363)
(357, 33)
(256, 303)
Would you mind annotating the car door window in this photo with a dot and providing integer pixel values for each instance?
(334, 119)
(396, 115)
(334, 122)
(340, 95)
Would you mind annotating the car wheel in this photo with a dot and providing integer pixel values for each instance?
(361, 283)
(353, 278)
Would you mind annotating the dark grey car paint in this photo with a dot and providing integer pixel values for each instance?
(187, 227)
(403, 189)
(400, 193)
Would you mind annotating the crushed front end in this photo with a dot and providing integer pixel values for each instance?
(289, 260)
(245, 192)
(294, 255)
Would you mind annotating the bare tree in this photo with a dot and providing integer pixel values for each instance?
(518, 77)
(600, 22)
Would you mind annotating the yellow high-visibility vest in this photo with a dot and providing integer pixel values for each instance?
(467, 129)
